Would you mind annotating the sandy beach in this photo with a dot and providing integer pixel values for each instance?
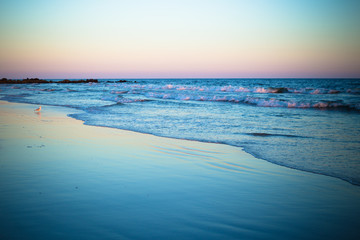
(61, 179)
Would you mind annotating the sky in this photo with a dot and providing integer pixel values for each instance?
(179, 38)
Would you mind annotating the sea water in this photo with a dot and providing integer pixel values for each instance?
(307, 124)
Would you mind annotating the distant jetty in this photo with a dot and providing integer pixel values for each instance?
(37, 80)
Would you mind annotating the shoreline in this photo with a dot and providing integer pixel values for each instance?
(63, 179)
(253, 154)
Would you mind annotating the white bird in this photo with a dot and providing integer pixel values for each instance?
(38, 109)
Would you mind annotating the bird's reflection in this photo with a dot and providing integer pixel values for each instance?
(39, 115)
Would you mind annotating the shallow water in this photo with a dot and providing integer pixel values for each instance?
(61, 180)
(307, 124)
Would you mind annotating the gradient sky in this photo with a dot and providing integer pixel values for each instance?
(185, 38)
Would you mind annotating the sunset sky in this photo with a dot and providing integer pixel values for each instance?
(179, 39)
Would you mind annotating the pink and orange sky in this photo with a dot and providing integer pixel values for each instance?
(179, 39)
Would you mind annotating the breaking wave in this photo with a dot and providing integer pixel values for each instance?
(256, 101)
(230, 88)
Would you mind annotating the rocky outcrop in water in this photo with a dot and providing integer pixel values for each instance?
(37, 80)
(79, 81)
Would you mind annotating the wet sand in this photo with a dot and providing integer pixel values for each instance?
(60, 179)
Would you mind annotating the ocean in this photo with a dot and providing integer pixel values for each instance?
(307, 124)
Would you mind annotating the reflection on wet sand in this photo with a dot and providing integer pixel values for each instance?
(38, 113)
(107, 183)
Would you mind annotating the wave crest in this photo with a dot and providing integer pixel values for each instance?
(230, 88)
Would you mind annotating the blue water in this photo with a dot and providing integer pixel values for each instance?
(306, 124)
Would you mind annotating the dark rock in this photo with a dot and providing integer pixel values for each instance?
(24, 81)
(65, 81)
(282, 90)
(36, 80)
(278, 90)
(92, 80)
